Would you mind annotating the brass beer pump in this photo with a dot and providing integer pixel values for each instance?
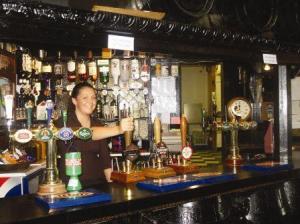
(158, 170)
(184, 164)
(52, 183)
(130, 154)
(239, 113)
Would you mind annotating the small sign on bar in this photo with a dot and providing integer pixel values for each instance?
(270, 59)
(120, 42)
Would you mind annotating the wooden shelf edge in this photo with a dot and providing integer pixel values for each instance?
(130, 12)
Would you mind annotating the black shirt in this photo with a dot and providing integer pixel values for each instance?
(94, 154)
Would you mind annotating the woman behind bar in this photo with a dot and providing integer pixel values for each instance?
(95, 157)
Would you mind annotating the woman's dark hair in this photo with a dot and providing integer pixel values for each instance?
(75, 93)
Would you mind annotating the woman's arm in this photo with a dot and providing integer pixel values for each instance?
(126, 124)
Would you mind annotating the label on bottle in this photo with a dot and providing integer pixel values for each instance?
(37, 66)
(102, 62)
(81, 68)
(71, 66)
(164, 70)
(46, 68)
(145, 74)
(28, 63)
(115, 67)
(104, 70)
(58, 69)
(92, 68)
(135, 69)
(174, 70)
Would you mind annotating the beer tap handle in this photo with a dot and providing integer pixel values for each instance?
(157, 129)
(29, 106)
(49, 109)
(183, 128)
(65, 117)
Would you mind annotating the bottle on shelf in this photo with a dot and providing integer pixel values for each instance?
(115, 70)
(71, 68)
(59, 69)
(135, 69)
(99, 108)
(37, 64)
(92, 67)
(103, 68)
(114, 108)
(81, 70)
(46, 65)
(106, 110)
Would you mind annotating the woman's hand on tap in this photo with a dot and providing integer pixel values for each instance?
(126, 124)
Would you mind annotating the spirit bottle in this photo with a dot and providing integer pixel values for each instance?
(106, 110)
(81, 70)
(59, 70)
(46, 66)
(103, 68)
(58, 66)
(98, 108)
(92, 67)
(114, 108)
(135, 69)
(125, 70)
(71, 68)
(115, 70)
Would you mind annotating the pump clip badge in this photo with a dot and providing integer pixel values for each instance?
(65, 134)
(23, 136)
(84, 133)
(45, 135)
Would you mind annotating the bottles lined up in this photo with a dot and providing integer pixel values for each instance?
(122, 82)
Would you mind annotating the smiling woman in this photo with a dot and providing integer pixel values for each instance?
(94, 153)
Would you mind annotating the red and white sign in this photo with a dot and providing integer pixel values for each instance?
(23, 136)
(187, 152)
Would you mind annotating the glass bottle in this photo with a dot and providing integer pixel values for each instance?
(114, 108)
(81, 70)
(103, 68)
(58, 66)
(46, 65)
(92, 67)
(99, 108)
(106, 109)
(115, 70)
(59, 69)
(71, 68)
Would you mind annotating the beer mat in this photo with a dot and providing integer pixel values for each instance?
(68, 199)
(183, 181)
(266, 166)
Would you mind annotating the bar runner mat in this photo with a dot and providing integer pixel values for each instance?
(63, 200)
(268, 166)
(184, 181)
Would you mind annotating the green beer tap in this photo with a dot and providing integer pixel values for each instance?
(29, 107)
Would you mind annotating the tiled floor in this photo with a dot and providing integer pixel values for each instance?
(206, 158)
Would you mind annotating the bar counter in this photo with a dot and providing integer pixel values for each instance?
(239, 197)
